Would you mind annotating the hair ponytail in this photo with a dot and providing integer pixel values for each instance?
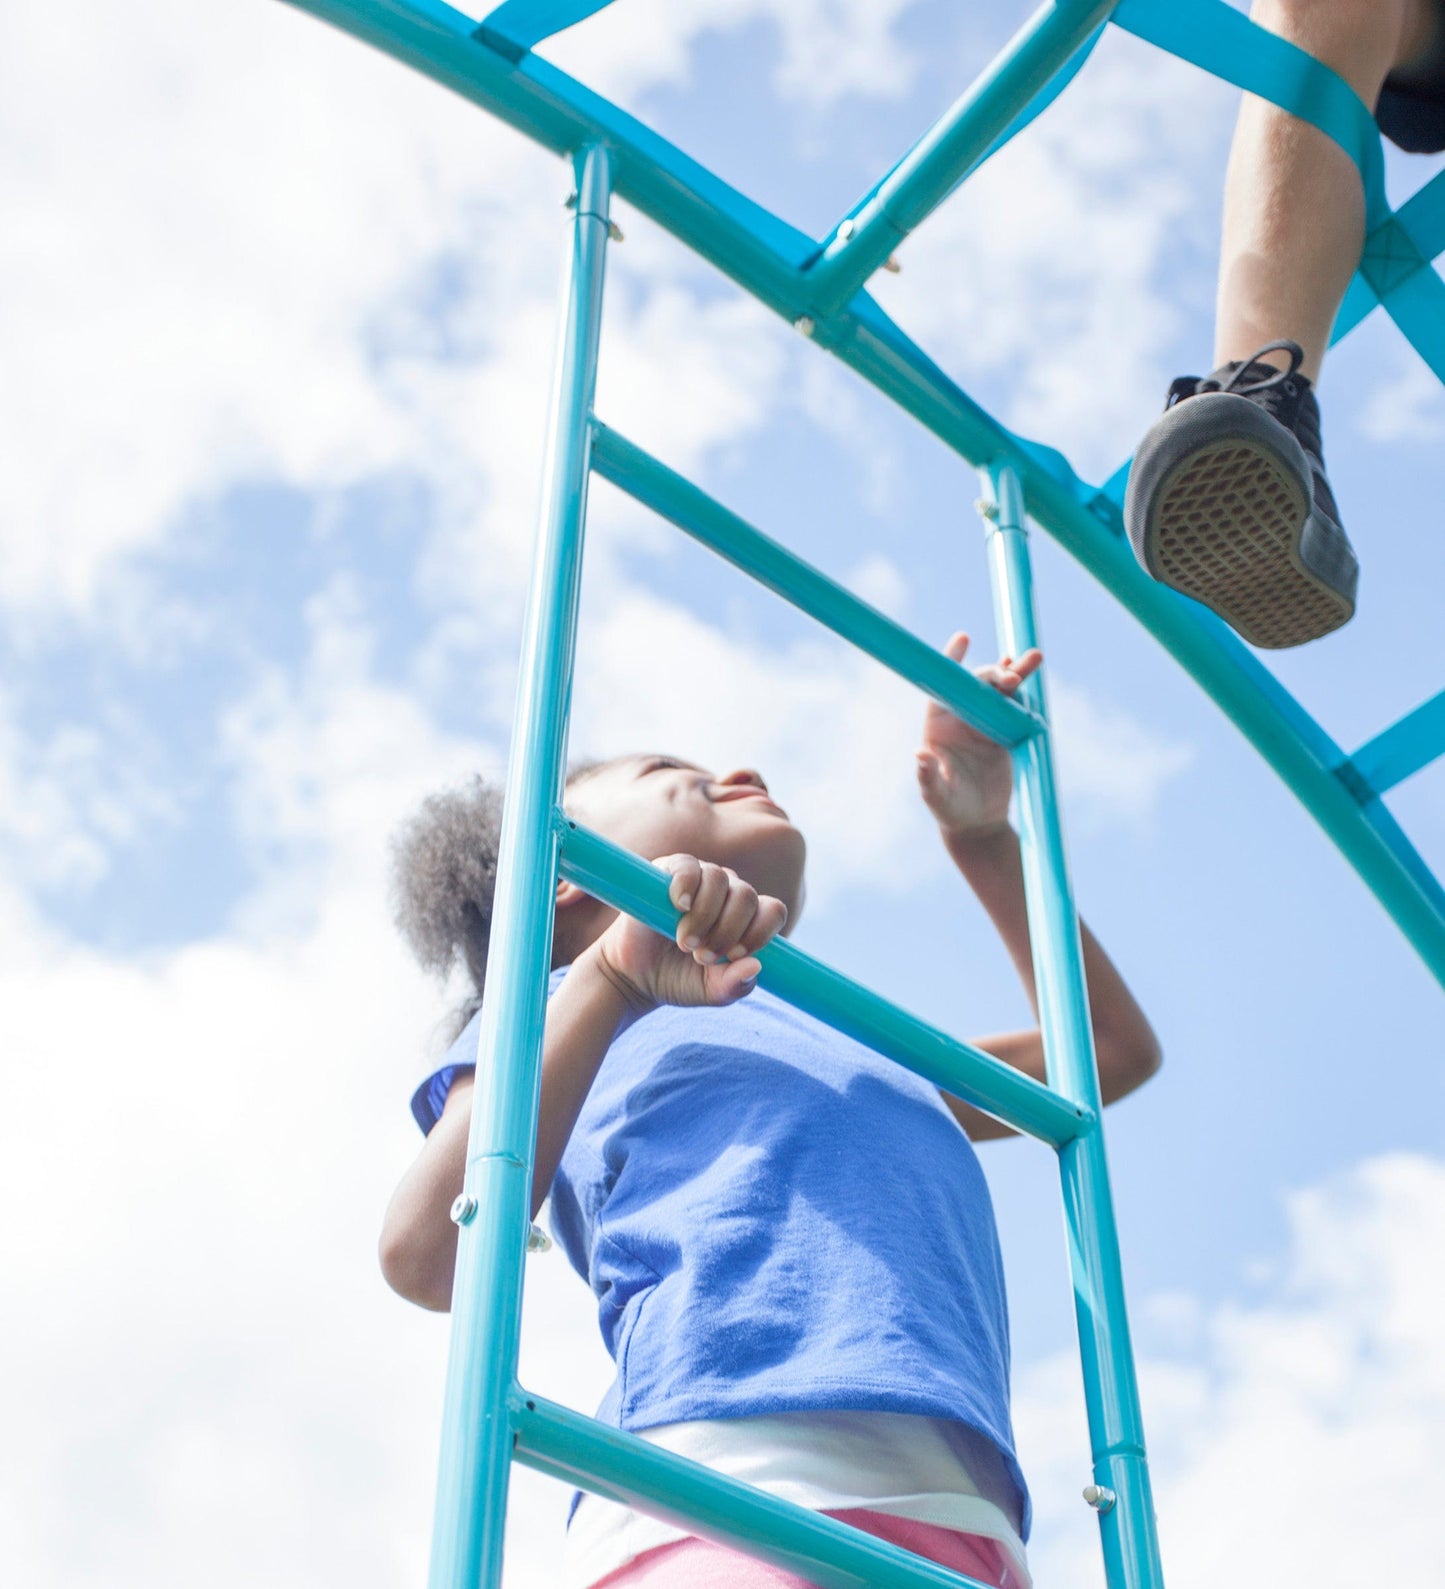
(444, 880)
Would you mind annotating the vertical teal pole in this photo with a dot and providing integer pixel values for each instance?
(1121, 1491)
(495, 1207)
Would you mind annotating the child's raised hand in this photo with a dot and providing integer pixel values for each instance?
(966, 779)
(709, 960)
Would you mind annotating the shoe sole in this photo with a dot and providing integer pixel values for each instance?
(1220, 508)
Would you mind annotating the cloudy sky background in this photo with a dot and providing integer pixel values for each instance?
(278, 319)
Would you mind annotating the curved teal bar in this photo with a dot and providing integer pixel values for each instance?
(622, 880)
(768, 258)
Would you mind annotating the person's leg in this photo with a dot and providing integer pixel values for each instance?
(1293, 208)
(1228, 499)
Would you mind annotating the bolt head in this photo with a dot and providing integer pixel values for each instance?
(804, 323)
(1100, 1497)
(464, 1210)
(538, 1240)
(845, 231)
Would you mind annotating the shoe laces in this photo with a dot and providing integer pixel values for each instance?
(1272, 391)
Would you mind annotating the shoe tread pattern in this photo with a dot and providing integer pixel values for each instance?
(1226, 530)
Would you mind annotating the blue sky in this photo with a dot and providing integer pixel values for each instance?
(279, 320)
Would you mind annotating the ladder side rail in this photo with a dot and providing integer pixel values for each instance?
(627, 883)
(767, 562)
(952, 148)
(622, 1467)
(1126, 1519)
(495, 1207)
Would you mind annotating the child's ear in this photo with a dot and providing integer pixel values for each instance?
(568, 894)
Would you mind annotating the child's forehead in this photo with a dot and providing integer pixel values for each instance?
(650, 761)
(625, 772)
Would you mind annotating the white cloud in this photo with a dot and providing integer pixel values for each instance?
(826, 49)
(66, 804)
(1295, 1437)
(840, 406)
(321, 765)
(209, 215)
(197, 1148)
(880, 582)
(1406, 402)
(255, 250)
(1113, 769)
(833, 731)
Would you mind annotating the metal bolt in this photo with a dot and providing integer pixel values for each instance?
(1100, 1497)
(987, 509)
(891, 264)
(614, 231)
(464, 1209)
(804, 323)
(570, 202)
(845, 231)
(538, 1240)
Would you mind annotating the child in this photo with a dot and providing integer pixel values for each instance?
(790, 1239)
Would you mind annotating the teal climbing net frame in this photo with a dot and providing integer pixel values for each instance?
(818, 285)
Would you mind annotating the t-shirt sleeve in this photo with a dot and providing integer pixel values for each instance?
(428, 1101)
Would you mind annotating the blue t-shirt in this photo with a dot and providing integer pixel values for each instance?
(774, 1218)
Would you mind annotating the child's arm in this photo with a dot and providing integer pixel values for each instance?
(625, 973)
(966, 781)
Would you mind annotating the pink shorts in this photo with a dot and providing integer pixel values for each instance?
(699, 1564)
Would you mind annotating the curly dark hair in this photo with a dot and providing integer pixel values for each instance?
(444, 877)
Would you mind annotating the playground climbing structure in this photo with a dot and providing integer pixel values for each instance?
(819, 286)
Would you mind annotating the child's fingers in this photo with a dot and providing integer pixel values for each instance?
(956, 645)
(1008, 673)
(686, 875)
(770, 919)
(1028, 662)
(732, 923)
(728, 983)
(707, 902)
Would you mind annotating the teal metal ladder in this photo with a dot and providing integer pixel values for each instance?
(818, 285)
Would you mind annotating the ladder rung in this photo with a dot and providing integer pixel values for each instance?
(621, 880)
(579, 1450)
(691, 509)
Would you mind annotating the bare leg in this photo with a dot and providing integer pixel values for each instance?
(1294, 213)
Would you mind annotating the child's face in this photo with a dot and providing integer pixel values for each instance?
(658, 805)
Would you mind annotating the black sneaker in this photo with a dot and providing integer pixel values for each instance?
(1228, 503)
